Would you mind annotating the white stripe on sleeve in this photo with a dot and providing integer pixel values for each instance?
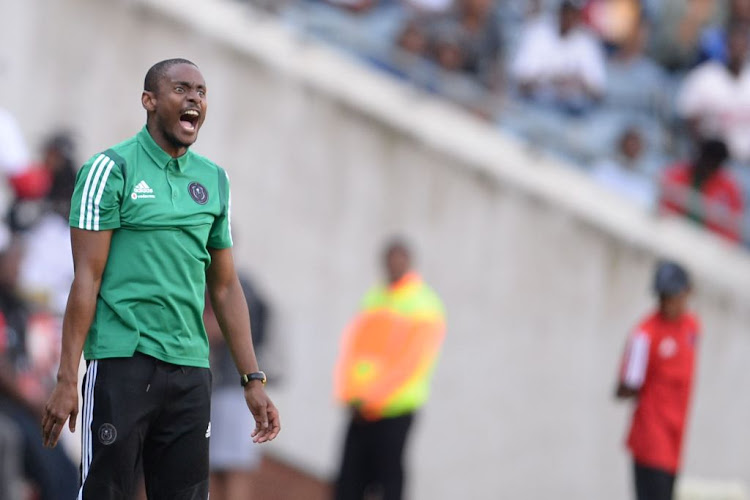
(86, 186)
(92, 192)
(98, 199)
(229, 208)
(637, 361)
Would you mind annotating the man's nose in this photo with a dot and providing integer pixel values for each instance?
(193, 96)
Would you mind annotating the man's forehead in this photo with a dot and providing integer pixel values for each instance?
(185, 73)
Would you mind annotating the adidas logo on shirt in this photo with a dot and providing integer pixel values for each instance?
(142, 190)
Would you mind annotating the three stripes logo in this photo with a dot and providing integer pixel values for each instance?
(93, 190)
(142, 190)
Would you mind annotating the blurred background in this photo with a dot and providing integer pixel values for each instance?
(540, 157)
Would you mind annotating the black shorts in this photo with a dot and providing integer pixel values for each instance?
(652, 483)
(138, 414)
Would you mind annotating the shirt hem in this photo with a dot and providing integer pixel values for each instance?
(175, 360)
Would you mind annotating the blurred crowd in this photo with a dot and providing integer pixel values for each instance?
(652, 97)
(36, 270)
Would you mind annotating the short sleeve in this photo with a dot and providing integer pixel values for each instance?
(95, 205)
(691, 99)
(635, 361)
(221, 230)
(593, 66)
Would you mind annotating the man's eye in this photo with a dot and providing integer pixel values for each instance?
(179, 90)
(202, 93)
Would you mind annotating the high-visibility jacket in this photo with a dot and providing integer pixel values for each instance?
(389, 351)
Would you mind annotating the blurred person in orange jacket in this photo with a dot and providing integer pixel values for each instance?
(383, 374)
(657, 370)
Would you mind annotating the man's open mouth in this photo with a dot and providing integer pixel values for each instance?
(189, 119)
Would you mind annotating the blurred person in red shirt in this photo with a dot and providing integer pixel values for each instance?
(658, 370)
(704, 191)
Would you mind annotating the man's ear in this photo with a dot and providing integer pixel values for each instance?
(148, 100)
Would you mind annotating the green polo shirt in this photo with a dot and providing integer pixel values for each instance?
(164, 214)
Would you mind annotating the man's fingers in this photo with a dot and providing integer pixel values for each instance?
(269, 432)
(73, 416)
(55, 434)
(45, 417)
(47, 429)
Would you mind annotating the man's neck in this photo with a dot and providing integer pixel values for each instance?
(167, 146)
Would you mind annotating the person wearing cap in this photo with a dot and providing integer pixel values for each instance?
(657, 371)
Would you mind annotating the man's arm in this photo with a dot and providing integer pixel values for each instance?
(635, 365)
(90, 252)
(231, 311)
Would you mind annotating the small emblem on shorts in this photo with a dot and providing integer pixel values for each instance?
(208, 430)
(198, 193)
(107, 434)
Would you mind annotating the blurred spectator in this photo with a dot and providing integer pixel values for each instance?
(560, 64)
(47, 266)
(51, 473)
(713, 41)
(14, 157)
(10, 460)
(429, 7)
(383, 375)
(474, 27)
(234, 456)
(615, 21)
(624, 172)
(451, 53)
(679, 24)
(704, 191)
(715, 99)
(635, 83)
(355, 6)
(414, 38)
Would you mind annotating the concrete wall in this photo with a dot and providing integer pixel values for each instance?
(541, 272)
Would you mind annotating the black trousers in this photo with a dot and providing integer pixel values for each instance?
(144, 413)
(373, 458)
(652, 483)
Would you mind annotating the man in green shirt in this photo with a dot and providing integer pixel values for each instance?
(150, 229)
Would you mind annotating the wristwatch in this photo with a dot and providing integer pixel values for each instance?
(248, 377)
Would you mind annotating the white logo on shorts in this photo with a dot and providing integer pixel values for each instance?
(208, 430)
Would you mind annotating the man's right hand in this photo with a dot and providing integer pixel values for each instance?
(61, 407)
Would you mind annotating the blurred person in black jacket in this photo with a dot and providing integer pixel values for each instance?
(50, 472)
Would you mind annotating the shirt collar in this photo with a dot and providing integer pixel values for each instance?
(157, 154)
(409, 278)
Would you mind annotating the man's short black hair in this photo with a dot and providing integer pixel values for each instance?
(157, 71)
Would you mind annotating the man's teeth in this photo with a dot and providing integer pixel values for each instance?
(191, 112)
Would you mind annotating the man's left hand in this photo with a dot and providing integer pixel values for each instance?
(267, 423)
